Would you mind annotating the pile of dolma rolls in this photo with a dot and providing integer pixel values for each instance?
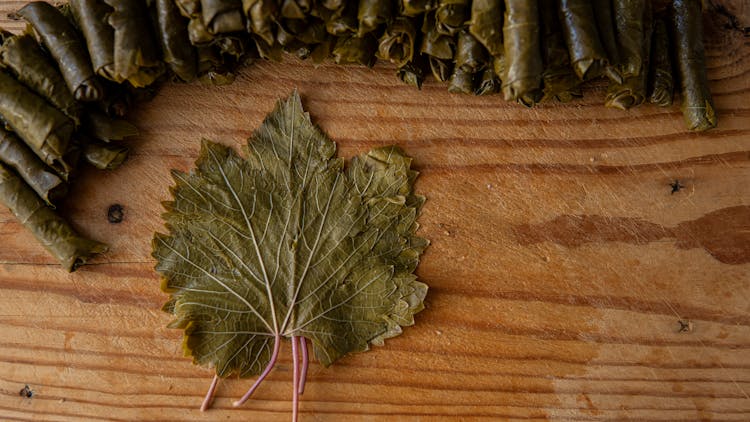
(71, 77)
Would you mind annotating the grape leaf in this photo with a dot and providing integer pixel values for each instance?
(289, 243)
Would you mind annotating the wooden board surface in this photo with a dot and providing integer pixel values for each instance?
(561, 269)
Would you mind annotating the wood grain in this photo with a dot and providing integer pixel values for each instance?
(560, 267)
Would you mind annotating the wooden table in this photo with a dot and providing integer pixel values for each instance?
(568, 280)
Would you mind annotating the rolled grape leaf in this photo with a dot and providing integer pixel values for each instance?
(177, 52)
(489, 83)
(471, 59)
(105, 128)
(341, 21)
(628, 94)
(91, 18)
(356, 50)
(461, 81)
(104, 156)
(417, 7)
(237, 46)
(137, 58)
(560, 80)
(117, 101)
(288, 242)
(42, 127)
(261, 16)
(322, 51)
(65, 45)
(587, 54)
(333, 4)
(23, 55)
(451, 16)
(308, 31)
(605, 23)
(398, 42)
(222, 16)
(630, 28)
(189, 8)
(16, 155)
(198, 33)
(470, 53)
(632, 92)
(687, 32)
(213, 68)
(373, 13)
(486, 24)
(296, 9)
(414, 72)
(54, 233)
(438, 48)
(523, 56)
(498, 66)
(661, 85)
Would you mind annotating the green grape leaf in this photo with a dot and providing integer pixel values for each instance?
(290, 243)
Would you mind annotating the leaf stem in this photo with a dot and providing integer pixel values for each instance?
(305, 364)
(295, 382)
(271, 364)
(210, 394)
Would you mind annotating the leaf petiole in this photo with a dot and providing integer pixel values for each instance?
(210, 394)
(271, 364)
(305, 364)
(296, 379)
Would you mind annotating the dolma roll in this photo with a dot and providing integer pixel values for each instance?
(630, 28)
(136, 51)
(45, 129)
(222, 16)
(355, 50)
(451, 16)
(632, 92)
(414, 72)
(373, 13)
(486, 24)
(470, 53)
(587, 54)
(498, 66)
(67, 48)
(118, 99)
(24, 56)
(177, 52)
(661, 83)
(261, 16)
(332, 4)
(398, 42)
(104, 156)
(213, 68)
(687, 29)
(341, 21)
(91, 17)
(461, 81)
(417, 7)
(189, 8)
(605, 23)
(559, 79)
(488, 83)
(296, 9)
(16, 155)
(54, 233)
(523, 58)
(105, 128)
(438, 48)
(471, 59)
